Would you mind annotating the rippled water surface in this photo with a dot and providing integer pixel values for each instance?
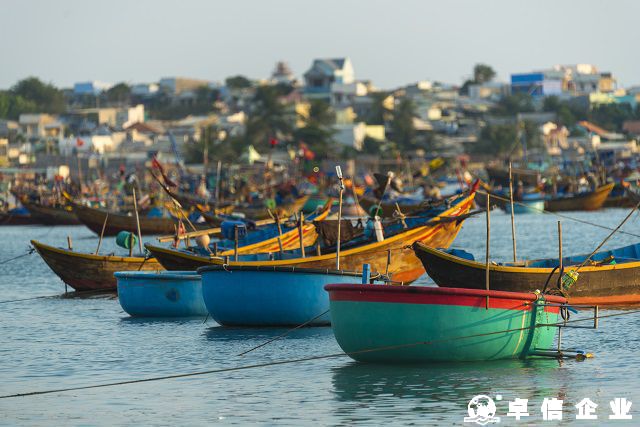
(58, 342)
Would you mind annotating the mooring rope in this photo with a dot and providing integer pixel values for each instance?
(29, 252)
(504, 199)
(307, 359)
(68, 295)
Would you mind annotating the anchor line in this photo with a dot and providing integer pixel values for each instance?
(304, 359)
(29, 252)
(570, 218)
(63, 296)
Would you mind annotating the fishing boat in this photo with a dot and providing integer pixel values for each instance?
(270, 296)
(282, 211)
(94, 219)
(160, 294)
(392, 254)
(611, 278)
(529, 204)
(417, 324)
(17, 216)
(51, 215)
(390, 207)
(586, 201)
(89, 272)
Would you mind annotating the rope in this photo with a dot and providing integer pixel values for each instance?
(557, 214)
(70, 295)
(29, 252)
(607, 238)
(284, 334)
(304, 359)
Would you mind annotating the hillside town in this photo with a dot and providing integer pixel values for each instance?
(557, 115)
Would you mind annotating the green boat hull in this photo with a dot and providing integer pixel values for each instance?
(438, 329)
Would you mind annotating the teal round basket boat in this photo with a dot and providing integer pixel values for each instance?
(383, 323)
(270, 296)
(160, 294)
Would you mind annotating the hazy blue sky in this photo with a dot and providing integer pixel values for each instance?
(390, 42)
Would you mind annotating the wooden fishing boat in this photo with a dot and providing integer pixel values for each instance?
(117, 222)
(160, 294)
(269, 296)
(17, 216)
(587, 201)
(283, 211)
(600, 282)
(88, 272)
(530, 204)
(403, 265)
(50, 215)
(389, 208)
(414, 324)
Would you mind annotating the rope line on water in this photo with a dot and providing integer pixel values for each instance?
(62, 296)
(285, 333)
(306, 359)
(570, 218)
(29, 252)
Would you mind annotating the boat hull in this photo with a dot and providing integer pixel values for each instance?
(590, 201)
(245, 296)
(86, 272)
(50, 215)
(617, 284)
(94, 220)
(525, 207)
(404, 266)
(160, 294)
(415, 324)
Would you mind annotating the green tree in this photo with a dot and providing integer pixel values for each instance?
(237, 82)
(378, 114)
(515, 103)
(318, 131)
(120, 93)
(496, 140)
(268, 117)
(402, 128)
(46, 97)
(483, 73)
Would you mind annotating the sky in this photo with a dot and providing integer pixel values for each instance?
(389, 42)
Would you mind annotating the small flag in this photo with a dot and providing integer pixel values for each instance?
(79, 142)
(273, 142)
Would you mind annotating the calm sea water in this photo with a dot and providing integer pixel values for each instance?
(56, 343)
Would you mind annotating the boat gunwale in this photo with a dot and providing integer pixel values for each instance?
(39, 245)
(158, 275)
(513, 269)
(278, 269)
(359, 290)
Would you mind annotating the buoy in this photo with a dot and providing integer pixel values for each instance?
(203, 241)
(126, 240)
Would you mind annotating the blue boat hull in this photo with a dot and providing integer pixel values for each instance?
(269, 296)
(160, 294)
(526, 207)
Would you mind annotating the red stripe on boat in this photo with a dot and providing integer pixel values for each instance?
(438, 296)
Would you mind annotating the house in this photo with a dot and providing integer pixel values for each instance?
(90, 118)
(92, 88)
(491, 90)
(39, 126)
(324, 73)
(536, 84)
(145, 90)
(174, 86)
(282, 74)
(350, 134)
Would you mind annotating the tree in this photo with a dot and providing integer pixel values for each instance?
(378, 113)
(318, 131)
(268, 117)
(120, 93)
(404, 132)
(46, 97)
(515, 103)
(496, 139)
(483, 73)
(237, 82)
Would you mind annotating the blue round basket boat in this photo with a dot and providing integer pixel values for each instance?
(161, 294)
(270, 296)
